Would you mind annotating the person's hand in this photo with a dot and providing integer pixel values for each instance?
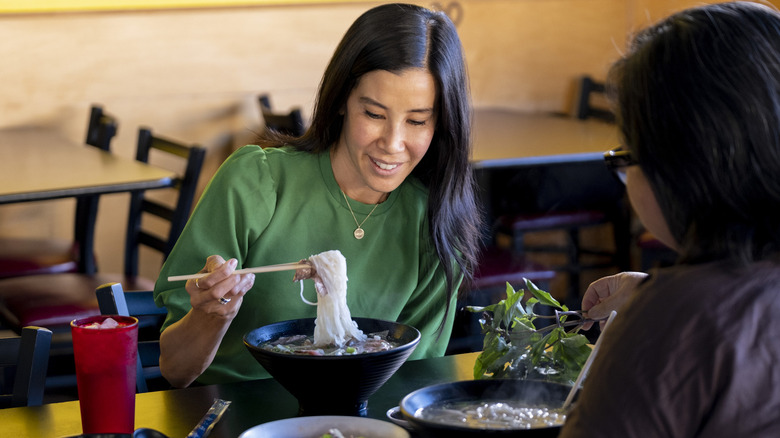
(609, 293)
(189, 345)
(220, 292)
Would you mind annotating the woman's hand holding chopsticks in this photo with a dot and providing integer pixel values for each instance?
(191, 343)
(217, 285)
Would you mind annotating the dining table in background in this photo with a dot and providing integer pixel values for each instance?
(510, 138)
(176, 411)
(539, 161)
(40, 164)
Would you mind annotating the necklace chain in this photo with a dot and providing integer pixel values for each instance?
(359, 232)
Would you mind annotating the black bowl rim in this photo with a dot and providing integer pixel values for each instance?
(411, 344)
(412, 419)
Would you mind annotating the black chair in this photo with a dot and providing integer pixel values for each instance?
(566, 198)
(287, 124)
(140, 304)
(497, 267)
(24, 360)
(101, 129)
(21, 256)
(53, 300)
(589, 94)
(141, 204)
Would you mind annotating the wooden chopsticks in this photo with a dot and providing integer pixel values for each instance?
(270, 268)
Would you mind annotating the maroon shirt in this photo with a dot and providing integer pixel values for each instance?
(694, 353)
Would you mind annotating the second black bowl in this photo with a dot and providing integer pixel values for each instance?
(531, 392)
(332, 385)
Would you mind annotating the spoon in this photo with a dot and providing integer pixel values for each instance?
(588, 363)
(215, 412)
(201, 430)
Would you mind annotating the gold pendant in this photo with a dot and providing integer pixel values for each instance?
(359, 233)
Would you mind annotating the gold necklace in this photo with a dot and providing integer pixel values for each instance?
(359, 232)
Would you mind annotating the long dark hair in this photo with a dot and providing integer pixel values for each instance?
(698, 99)
(395, 37)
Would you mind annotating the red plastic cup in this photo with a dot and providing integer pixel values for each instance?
(106, 372)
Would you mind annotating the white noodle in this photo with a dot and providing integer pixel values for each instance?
(304, 298)
(334, 324)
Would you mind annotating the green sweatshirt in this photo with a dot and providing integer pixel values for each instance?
(265, 207)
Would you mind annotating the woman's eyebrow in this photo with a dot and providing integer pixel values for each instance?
(370, 101)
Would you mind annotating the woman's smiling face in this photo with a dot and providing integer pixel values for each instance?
(389, 121)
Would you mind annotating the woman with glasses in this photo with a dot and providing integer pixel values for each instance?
(694, 349)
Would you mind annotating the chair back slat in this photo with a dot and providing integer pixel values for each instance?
(185, 186)
(588, 90)
(287, 124)
(155, 242)
(157, 209)
(101, 129)
(26, 358)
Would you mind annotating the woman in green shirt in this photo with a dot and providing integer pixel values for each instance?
(382, 175)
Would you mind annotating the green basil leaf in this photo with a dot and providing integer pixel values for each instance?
(514, 347)
(543, 297)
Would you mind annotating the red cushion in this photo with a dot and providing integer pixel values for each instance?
(558, 219)
(58, 315)
(54, 300)
(36, 256)
(498, 266)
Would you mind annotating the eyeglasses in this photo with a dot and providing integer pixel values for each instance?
(617, 160)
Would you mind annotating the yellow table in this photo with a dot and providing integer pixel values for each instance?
(175, 412)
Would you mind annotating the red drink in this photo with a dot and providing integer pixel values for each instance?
(105, 372)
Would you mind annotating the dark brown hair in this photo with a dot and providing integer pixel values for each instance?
(396, 37)
(698, 103)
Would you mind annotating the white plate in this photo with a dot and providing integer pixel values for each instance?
(315, 427)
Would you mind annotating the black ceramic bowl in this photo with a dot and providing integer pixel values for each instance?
(538, 393)
(332, 385)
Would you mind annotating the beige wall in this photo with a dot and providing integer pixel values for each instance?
(194, 74)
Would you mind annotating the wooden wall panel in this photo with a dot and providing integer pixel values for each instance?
(193, 74)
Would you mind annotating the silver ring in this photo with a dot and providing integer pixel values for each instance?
(223, 300)
(196, 283)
